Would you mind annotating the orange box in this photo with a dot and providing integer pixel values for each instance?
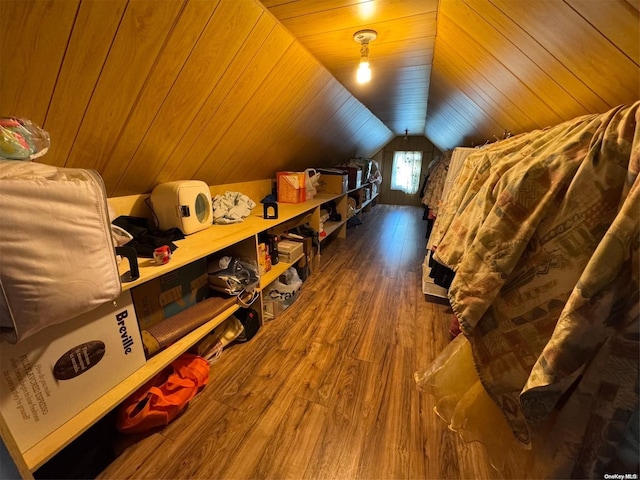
(291, 187)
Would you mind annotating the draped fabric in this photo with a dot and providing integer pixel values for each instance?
(406, 171)
(433, 193)
(542, 232)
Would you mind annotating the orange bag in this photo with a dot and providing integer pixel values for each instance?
(165, 396)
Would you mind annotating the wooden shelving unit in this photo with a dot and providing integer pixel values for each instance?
(37, 455)
(276, 270)
(240, 238)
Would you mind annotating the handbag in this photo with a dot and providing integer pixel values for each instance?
(164, 397)
(234, 277)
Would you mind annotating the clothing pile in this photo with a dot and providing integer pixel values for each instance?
(232, 207)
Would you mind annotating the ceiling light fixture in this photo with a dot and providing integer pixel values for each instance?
(364, 37)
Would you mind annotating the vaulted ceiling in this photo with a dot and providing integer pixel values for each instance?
(465, 71)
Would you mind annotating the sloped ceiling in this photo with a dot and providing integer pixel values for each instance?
(148, 91)
(401, 55)
(225, 91)
(464, 72)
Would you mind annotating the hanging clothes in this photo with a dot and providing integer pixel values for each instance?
(433, 193)
(544, 245)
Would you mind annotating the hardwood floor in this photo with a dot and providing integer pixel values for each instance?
(326, 391)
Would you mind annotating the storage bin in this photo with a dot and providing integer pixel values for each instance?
(291, 187)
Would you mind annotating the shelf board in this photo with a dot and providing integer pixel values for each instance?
(330, 227)
(276, 270)
(42, 451)
(218, 237)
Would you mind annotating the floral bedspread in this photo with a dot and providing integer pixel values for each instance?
(543, 236)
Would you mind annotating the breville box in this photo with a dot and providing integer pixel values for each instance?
(289, 251)
(171, 293)
(51, 376)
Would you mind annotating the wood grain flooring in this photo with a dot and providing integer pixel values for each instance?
(325, 391)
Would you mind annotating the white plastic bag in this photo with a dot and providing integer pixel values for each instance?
(312, 178)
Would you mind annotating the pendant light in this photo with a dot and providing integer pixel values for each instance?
(364, 37)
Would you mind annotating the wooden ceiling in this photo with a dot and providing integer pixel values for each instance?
(148, 91)
(400, 56)
(225, 91)
(465, 71)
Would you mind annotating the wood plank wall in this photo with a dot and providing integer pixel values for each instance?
(146, 92)
(528, 64)
(385, 159)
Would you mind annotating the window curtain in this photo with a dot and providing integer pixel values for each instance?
(406, 171)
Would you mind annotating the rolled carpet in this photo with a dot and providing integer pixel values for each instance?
(168, 331)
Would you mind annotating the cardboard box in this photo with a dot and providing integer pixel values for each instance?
(310, 252)
(355, 176)
(291, 187)
(171, 293)
(333, 183)
(288, 250)
(53, 375)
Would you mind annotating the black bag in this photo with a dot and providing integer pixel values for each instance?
(250, 321)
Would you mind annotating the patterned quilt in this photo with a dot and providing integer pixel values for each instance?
(543, 236)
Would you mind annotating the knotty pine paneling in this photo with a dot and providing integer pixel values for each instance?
(385, 160)
(146, 92)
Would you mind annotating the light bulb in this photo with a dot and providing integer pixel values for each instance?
(364, 72)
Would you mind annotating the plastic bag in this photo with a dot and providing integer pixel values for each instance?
(312, 178)
(165, 396)
(286, 287)
(21, 139)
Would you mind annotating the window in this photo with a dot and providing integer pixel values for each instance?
(405, 174)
